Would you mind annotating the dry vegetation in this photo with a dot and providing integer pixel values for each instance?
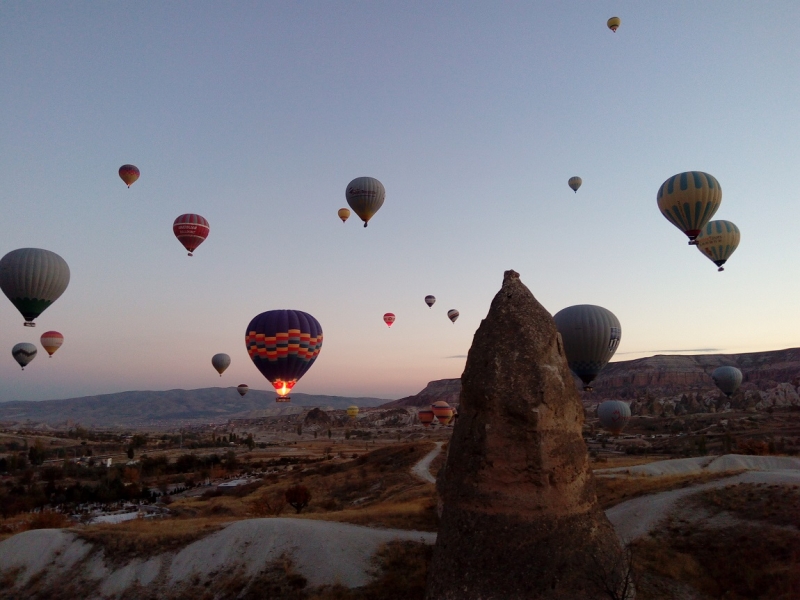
(613, 490)
(28, 521)
(753, 554)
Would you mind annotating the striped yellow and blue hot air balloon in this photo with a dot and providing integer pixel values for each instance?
(365, 195)
(689, 200)
(718, 240)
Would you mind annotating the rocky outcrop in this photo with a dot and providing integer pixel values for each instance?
(520, 517)
(441, 389)
(318, 417)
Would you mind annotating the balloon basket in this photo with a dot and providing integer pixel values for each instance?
(721, 269)
(588, 388)
(190, 254)
(283, 399)
(29, 324)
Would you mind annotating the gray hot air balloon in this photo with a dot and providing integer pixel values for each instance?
(591, 335)
(430, 300)
(220, 362)
(574, 183)
(365, 195)
(727, 379)
(614, 415)
(33, 279)
(23, 353)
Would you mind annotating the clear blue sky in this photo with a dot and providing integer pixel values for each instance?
(256, 115)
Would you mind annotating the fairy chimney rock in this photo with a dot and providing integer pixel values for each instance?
(520, 517)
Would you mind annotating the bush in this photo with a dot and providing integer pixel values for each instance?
(298, 497)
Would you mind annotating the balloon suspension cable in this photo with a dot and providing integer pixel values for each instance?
(29, 324)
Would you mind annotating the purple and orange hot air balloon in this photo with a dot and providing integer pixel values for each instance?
(425, 417)
(283, 344)
(442, 411)
(51, 341)
(191, 231)
(129, 174)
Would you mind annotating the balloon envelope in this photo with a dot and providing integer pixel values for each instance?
(242, 388)
(389, 318)
(613, 23)
(283, 344)
(191, 231)
(430, 300)
(591, 335)
(689, 200)
(23, 353)
(352, 411)
(575, 183)
(33, 279)
(452, 314)
(51, 341)
(220, 362)
(718, 240)
(129, 174)
(727, 379)
(344, 214)
(365, 195)
(442, 411)
(425, 417)
(614, 415)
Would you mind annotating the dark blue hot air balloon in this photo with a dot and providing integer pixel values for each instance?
(283, 345)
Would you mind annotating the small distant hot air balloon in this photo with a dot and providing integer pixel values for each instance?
(352, 411)
(442, 411)
(242, 388)
(613, 23)
(575, 183)
(614, 415)
(51, 341)
(727, 379)
(389, 319)
(689, 200)
(718, 240)
(426, 417)
(33, 279)
(591, 335)
(23, 353)
(452, 314)
(283, 344)
(365, 195)
(220, 362)
(344, 214)
(129, 174)
(430, 300)
(191, 231)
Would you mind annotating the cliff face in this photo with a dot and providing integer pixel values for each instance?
(441, 389)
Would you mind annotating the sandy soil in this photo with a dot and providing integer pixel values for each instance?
(422, 468)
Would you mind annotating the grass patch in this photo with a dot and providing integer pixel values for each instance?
(144, 538)
(613, 490)
(774, 504)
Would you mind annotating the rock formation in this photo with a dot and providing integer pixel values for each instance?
(520, 517)
(441, 389)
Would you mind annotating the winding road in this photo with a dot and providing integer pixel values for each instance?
(422, 468)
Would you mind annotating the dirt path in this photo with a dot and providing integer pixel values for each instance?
(422, 468)
(637, 517)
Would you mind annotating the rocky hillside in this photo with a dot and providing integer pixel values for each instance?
(441, 389)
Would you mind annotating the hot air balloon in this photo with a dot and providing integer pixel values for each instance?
(283, 345)
(51, 341)
(613, 23)
(220, 362)
(352, 411)
(191, 231)
(614, 415)
(365, 195)
(425, 417)
(727, 379)
(242, 388)
(575, 183)
(129, 174)
(33, 279)
(689, 200)
(442, 411)
(591, 335)
(344, 214)
(718, 240)
(452, 314)
(23, 353)
(430, 300)
(389, 318)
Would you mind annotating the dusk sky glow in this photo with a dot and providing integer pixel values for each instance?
(256, 115)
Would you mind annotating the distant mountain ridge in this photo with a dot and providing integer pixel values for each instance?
(165, 408)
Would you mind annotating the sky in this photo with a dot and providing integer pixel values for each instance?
(473, 115)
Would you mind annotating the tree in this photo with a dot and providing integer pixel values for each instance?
(298, 497)
(300, 429)
(130, 453)
(329, 434)
(250, 442)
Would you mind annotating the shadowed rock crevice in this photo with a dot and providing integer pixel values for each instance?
(520, 517)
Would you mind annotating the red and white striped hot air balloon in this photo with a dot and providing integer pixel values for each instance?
(51, 341)
(389, 318)
(191, 231)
